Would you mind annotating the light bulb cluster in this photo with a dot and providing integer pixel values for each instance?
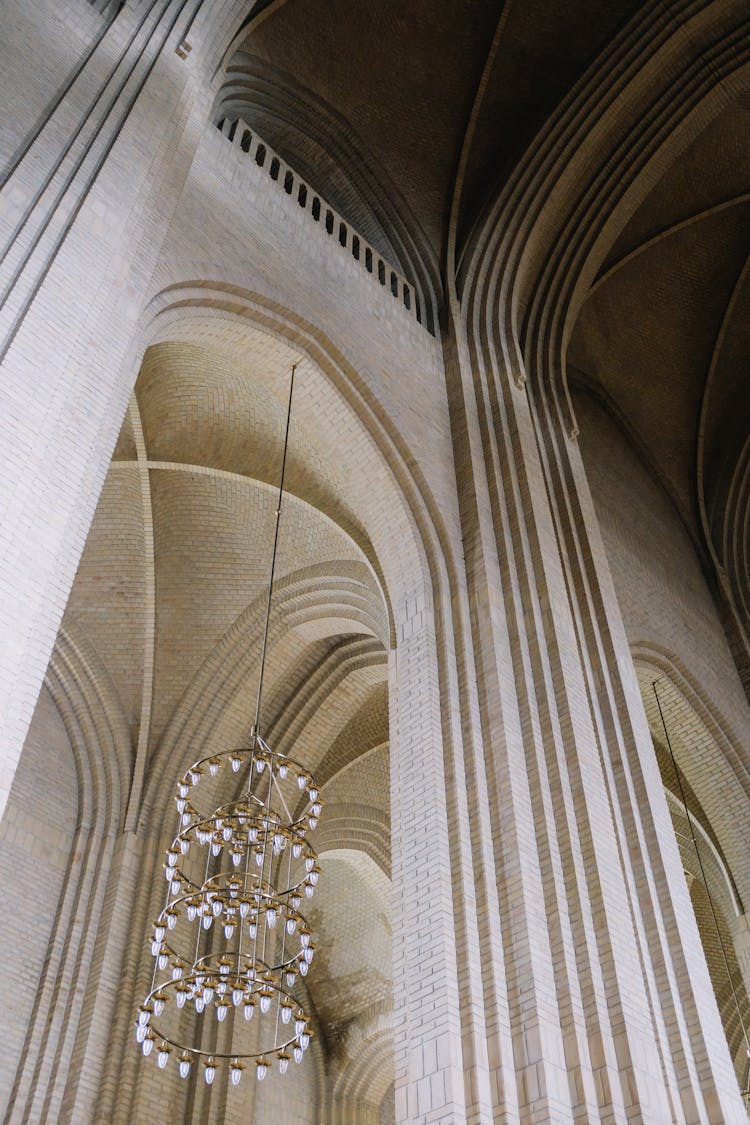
(231, 940)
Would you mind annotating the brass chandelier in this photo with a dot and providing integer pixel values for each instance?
(231, 945)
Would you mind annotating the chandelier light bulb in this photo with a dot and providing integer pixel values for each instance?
(140, 1032)
(237, 994)
(262, 1069)
(298, 1053)
(221, 1011)
(304, 1040)
(271, 917)
(286, 1013)
(291, 924)
(236, 1073)
(260, 765)
(313, 793)
(148, 1045)
(236, 762)
(200, 1004)
(210, 1072)
(249, 1009)
(283, 770)
(162, 1057)
(184, 1066)
(181, 997)
(252, 929)
(303, 967)
(299, 1025)
(301, 779)
(283, 1062)
(162, 961)
(183, 789)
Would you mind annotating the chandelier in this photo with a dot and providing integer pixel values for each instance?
(231, 946)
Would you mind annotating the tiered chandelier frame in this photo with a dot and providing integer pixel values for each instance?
(231, 938)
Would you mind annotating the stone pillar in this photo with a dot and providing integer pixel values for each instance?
(611, 1012)
(83, 214)
(427, 1026)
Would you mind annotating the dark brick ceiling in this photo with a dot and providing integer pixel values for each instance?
(405, 76)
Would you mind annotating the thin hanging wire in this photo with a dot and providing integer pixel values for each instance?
(689, 819)
(264, 646)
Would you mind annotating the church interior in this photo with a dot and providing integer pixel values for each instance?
(481, 584)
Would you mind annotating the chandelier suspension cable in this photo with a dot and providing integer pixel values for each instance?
(264, 644)
(694, 838)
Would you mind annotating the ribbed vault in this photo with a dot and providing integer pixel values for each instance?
(168, 608)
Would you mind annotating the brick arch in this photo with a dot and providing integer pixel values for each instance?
(224, 674)
(359, 828)
(364, 1073)
(72, 1008)
(710, 755)
(415, 565)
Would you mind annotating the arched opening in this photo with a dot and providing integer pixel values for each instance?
(692, 765)
(211, 421)
(169, 602)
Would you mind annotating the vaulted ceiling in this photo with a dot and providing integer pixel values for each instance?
(168, 607)
(664, 336)
(413, 85)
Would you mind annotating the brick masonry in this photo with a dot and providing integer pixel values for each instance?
(469, 604)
